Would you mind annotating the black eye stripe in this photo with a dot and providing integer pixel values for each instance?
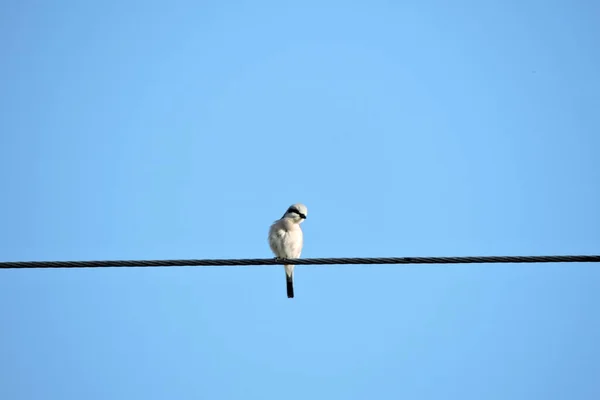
(295, 211)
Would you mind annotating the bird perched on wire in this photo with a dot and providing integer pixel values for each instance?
(285, 240)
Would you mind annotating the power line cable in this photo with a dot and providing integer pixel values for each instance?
(300, 261)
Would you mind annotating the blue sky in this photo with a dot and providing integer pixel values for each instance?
(181, 129)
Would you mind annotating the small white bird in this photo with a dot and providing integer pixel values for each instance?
(285, 240)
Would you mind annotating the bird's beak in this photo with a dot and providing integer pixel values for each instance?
(302, 216)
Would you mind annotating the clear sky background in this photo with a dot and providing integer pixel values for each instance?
(183, 129)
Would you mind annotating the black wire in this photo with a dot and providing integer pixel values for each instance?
(303, 261)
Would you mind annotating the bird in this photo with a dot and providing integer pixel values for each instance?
(286, 239)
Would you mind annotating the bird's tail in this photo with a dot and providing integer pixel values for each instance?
(289, 279)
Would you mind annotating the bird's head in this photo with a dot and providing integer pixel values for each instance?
(296, 212)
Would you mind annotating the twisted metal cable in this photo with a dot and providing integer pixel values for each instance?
(303, 261)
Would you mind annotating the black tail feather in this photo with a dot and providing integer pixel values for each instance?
(290, 287)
